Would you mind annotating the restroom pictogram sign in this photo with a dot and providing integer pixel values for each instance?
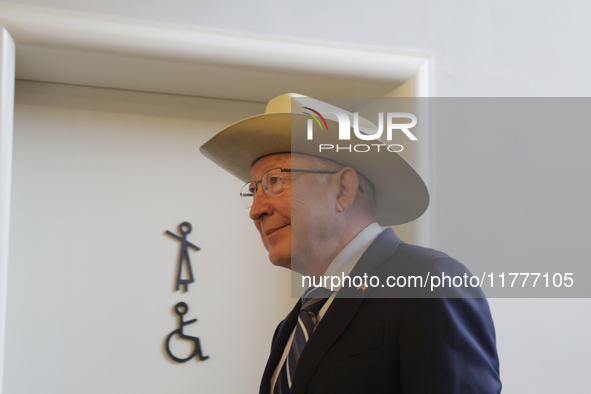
(184, 259)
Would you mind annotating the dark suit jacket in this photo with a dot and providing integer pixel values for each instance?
(395, 345)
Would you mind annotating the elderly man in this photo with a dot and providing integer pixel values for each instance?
(316, 214)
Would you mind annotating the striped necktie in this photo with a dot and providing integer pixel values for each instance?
(312, 301)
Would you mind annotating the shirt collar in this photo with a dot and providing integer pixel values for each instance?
(344, 262)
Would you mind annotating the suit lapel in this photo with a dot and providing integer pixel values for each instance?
(278, 346)
(341, 311)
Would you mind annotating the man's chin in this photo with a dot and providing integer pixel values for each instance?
(280, 261)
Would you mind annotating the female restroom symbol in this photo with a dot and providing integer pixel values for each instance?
(181, 309)
(184, 228)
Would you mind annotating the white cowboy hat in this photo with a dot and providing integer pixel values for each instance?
(400, 192)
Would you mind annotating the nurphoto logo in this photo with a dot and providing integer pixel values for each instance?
(345, 130)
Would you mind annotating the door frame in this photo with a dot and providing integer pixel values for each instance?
(72, 48)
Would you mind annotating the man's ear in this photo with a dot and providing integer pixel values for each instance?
(347, 183)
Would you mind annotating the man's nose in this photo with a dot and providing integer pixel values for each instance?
(260, 205)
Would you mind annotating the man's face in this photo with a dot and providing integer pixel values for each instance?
(296, 221)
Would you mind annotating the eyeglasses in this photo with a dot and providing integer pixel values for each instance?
(271, 182)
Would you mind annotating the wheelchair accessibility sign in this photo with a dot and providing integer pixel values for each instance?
(181, 309)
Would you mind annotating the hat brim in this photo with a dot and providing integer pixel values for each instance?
(400, 192)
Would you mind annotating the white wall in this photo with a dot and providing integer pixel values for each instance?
(494, 48)
(98, 176)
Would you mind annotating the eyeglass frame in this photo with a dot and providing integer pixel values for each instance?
(256, 183)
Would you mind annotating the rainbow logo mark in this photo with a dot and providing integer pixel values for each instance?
(316, 118)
